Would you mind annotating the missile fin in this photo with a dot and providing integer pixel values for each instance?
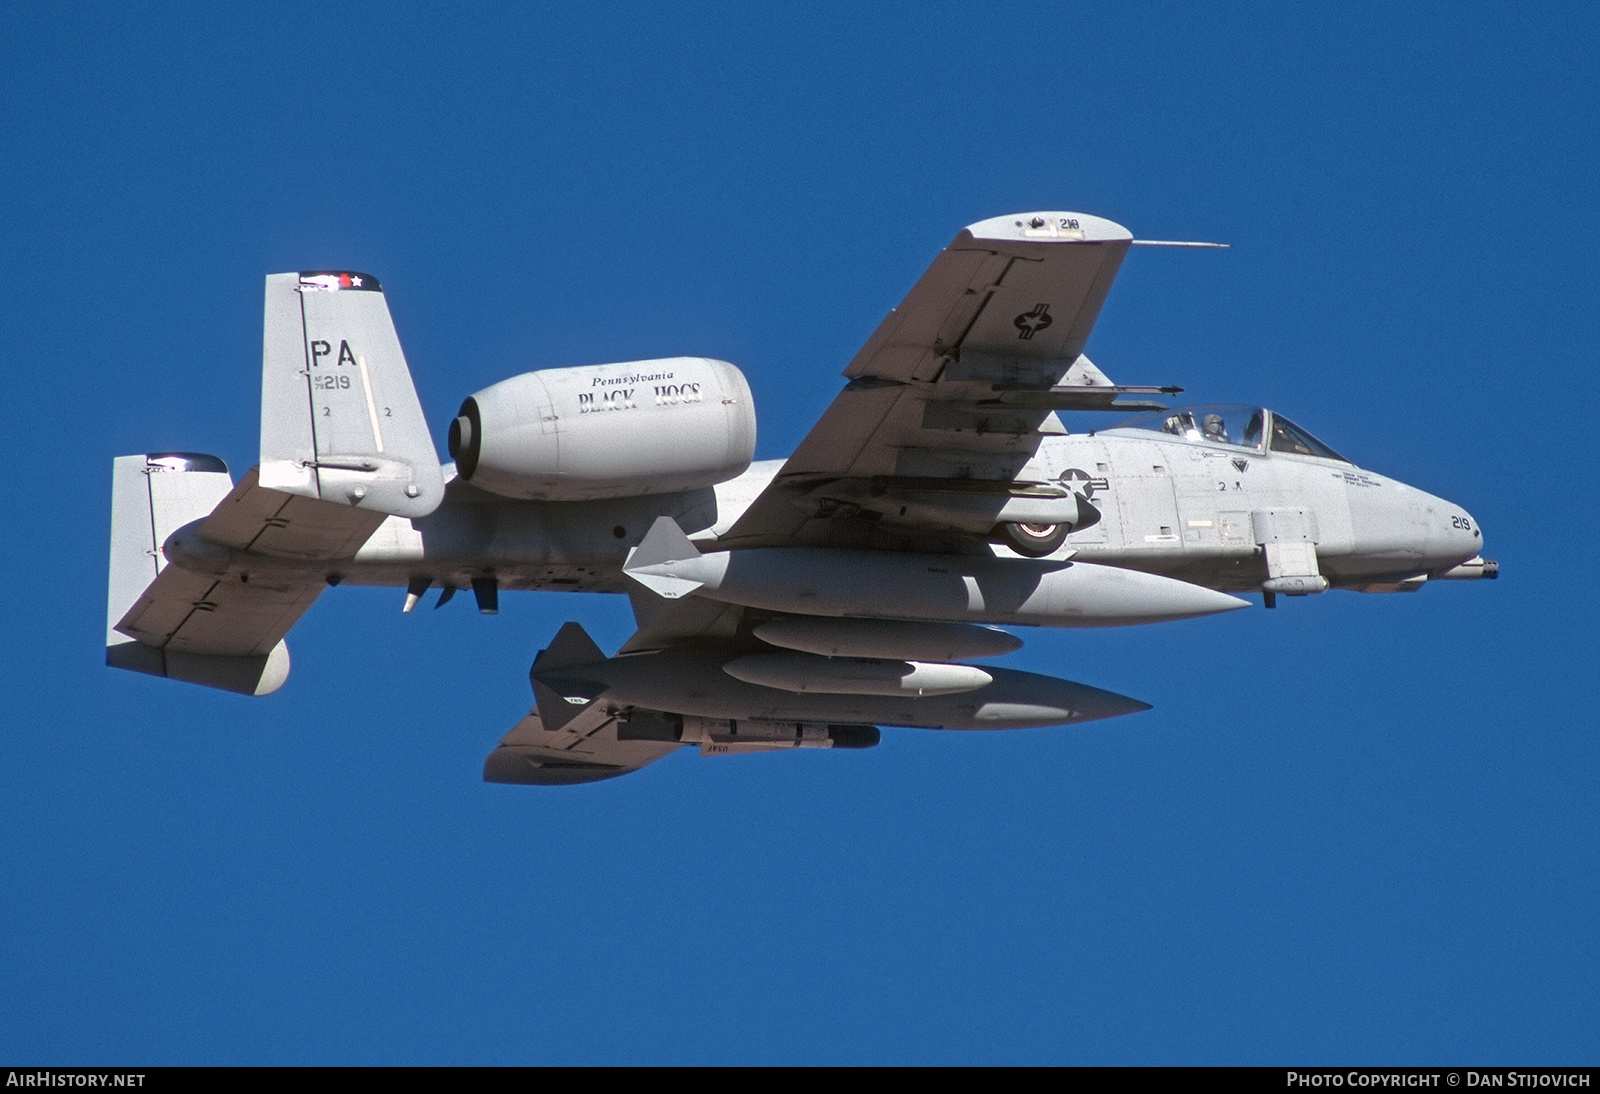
(664, 585)
(665, 544)
(556, 711)
(571, 646)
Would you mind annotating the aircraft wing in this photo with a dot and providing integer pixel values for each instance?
(583, 750)
(949, 398)
(575, 738)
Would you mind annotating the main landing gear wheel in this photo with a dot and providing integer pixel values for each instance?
(1033, 540)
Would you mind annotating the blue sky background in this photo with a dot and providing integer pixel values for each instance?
(1355, 829)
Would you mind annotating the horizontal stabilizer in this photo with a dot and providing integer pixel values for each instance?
(273, 522)
(340, 419)
(203, 613)
(250, 675)
(166, 621)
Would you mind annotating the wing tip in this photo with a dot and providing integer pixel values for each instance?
(522, 766)
(1050, 227)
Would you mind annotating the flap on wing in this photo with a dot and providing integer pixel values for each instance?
(931, 407)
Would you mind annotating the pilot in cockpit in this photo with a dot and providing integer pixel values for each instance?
(1182, 425)
(1211, 425)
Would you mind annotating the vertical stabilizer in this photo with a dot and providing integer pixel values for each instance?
(152, 497)
(340, 419)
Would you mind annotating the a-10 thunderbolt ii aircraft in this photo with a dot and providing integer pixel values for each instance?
(797, 603)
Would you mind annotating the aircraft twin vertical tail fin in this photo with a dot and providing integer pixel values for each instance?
(340, 419)
(343, 444)
(168, 621)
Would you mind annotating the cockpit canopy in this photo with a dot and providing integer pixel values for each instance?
(1235, 426)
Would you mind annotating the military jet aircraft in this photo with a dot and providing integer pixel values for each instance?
(783, 604)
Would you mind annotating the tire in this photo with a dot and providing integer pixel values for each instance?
(1032, 540)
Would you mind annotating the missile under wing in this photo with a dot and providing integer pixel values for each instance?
(845, 594)
(792, 606)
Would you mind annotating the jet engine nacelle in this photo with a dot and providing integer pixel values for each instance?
(607, 431)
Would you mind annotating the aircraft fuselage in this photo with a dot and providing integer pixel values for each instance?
(1179, 507)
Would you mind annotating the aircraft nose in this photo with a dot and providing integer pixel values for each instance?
(1465, 540)
(1455, 538)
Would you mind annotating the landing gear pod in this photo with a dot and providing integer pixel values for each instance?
(1032, 540)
